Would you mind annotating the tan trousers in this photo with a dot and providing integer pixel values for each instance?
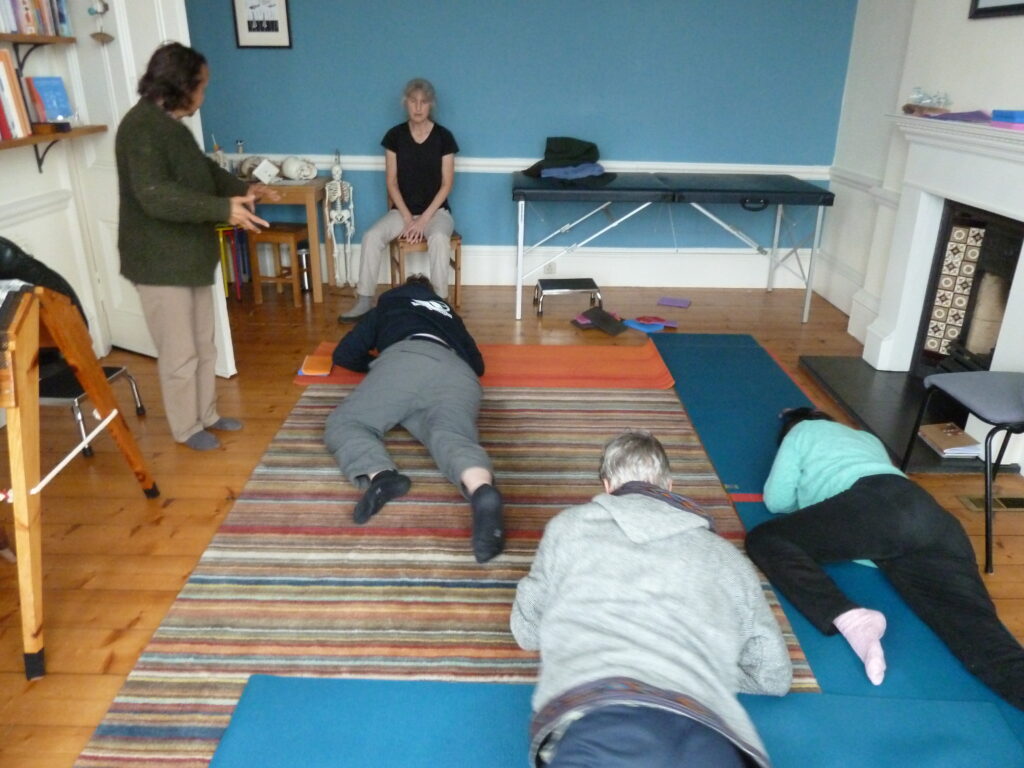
(374, 250)
(180, 320)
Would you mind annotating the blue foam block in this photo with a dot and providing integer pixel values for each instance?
(295, 722)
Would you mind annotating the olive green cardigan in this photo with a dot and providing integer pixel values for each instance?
(172, 195)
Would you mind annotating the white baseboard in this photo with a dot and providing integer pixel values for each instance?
(634, 267)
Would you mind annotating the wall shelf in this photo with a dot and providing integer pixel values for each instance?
(49, 139)
(36, 140)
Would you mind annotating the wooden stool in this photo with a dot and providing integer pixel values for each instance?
(400, 247)
(276, 234)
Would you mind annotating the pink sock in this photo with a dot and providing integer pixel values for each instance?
(863, 629)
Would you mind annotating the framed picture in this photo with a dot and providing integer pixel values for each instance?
(985, 9)
(262, 23)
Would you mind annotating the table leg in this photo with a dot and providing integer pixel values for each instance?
(810, 265)
(773, 257)
(519, 258)
(312, 224)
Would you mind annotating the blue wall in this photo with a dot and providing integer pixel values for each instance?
(719, 81)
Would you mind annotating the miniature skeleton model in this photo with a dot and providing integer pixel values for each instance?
(339, 210)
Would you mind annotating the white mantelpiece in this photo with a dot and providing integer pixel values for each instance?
(973, 164)
(970, 163)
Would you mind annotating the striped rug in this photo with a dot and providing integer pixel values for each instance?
(289, 586)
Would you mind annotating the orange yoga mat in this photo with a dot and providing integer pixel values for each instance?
(535, 365)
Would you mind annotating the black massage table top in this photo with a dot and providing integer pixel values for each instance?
(615, 187)
(753, 191)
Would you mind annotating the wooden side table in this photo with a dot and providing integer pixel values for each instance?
(310, 194)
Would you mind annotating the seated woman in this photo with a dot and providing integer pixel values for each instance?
(419, 166)
(849, 502)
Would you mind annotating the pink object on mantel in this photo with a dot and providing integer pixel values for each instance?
(1011, 126)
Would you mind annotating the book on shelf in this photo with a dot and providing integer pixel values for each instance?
(44, 21)
(50, 98)
(5, 127)
(10, 92)
(61, 17)
(950, 441)
(7, 22)
(25, 17)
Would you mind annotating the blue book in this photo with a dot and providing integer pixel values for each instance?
(53, 98)
(1008, 115)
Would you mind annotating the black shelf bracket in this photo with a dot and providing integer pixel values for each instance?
(41, 156)
(21, 59)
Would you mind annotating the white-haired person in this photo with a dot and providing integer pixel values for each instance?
(846, 501)
(419, 168)
(648, 624)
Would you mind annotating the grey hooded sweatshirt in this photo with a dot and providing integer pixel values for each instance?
(632, 587)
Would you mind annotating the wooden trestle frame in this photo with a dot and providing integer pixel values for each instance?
(19, 394)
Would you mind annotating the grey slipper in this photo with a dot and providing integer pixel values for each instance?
(226, 425)
(203, 441)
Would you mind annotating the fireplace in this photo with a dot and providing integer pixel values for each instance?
(981, 169)
(976, 257)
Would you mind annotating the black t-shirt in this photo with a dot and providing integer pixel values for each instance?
(419, 165)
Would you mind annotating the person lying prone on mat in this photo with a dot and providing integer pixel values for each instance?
(849, 502)
(425, 378)
(648, 624)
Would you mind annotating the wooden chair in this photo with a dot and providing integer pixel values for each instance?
(399, 247)
(278, 233)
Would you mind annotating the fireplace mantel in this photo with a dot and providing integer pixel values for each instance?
(977, 138)
(971, 163)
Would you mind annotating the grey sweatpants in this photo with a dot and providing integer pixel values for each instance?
(427, 389)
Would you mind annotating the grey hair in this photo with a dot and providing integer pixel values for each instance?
(635, 455)
(423, 86)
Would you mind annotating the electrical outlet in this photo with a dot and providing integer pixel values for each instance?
(549, 268)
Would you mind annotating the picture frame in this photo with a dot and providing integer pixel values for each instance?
(262, 23)
(987, 9)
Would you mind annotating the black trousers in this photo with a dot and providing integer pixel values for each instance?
(922, 550)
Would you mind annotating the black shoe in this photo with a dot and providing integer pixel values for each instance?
(387, 485)
(488, 523)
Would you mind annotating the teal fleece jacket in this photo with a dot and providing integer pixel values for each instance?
(172, 195)
(820, 459)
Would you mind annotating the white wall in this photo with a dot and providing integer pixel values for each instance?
(897, 45)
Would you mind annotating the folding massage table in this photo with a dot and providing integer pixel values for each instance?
(752, 191)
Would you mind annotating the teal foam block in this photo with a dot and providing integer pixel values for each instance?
(296, 722)
(834, 731)
(733, 391)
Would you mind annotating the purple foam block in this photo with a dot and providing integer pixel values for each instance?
(669, 301)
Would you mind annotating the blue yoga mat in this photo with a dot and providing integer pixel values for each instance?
(297, 722)
(733, 391)
(294, 722)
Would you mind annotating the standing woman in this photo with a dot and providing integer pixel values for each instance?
(172, 195)
(419, 163)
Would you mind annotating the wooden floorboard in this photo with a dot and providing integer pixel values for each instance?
(114, 561)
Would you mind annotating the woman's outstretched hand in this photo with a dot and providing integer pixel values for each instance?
(242, 213)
